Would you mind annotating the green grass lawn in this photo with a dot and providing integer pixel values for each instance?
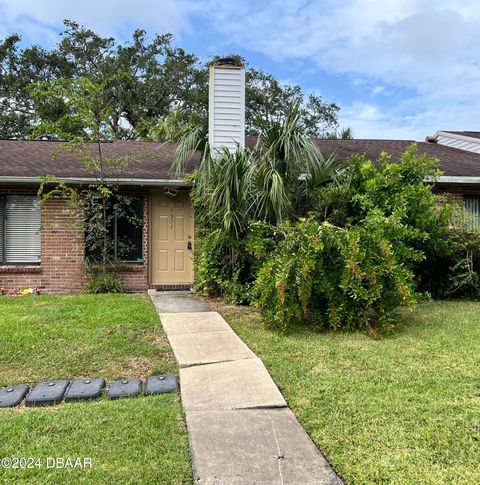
(404, 409)
(140, 441)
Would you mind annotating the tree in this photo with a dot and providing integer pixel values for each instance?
(18, 69)
(161, 79)
(266, 100)
(358, 257)
(85, 124)
(269, 184)
(159, 75)
(343, 134)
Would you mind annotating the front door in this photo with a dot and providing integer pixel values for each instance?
(171, 237)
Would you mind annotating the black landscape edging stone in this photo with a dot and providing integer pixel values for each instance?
(47, 393)
(12, 396)
(84, 390)
(124, 388)
(160, 384)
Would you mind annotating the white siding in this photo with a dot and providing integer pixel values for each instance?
(226, 121)
(458, 141)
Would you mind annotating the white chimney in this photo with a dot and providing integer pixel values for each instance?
(226, 105)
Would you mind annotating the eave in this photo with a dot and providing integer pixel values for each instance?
(15, 180)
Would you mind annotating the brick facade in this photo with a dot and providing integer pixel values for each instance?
(455, 194)
(62, 269)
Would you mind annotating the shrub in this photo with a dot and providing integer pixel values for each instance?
(452, 269)
(399, 191)
(464, 264)
(372, 242)
(233, 188)
(335, 277)
(104, 283)
(223, 267)
(208, 264)
(357, 258)
(236, 292)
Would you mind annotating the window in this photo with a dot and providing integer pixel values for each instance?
(471, 204)
(19, 229)
(125, 236)
(129, 236)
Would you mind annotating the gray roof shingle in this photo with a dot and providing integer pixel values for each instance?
(146, 160)
(153, 160)
(453, 162)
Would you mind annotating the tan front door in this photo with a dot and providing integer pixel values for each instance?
(171, 238)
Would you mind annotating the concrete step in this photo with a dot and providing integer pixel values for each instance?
(263, 447)
(238, 384)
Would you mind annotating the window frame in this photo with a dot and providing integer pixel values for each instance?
(3, 234)
(115, 238)
(141, 227)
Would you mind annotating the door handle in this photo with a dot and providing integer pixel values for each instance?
(189, 245)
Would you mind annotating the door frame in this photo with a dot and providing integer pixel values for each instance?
(151, 195)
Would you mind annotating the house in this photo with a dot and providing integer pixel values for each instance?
(42, 247)
(465, 140)
(461, 168)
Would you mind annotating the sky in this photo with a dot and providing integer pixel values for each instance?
(399, 69)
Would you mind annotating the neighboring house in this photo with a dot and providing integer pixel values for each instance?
(464, 140)
(45, 249)
(461, 168)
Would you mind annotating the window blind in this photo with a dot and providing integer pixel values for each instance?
(21, 221)
(472, 207)
(2, 227)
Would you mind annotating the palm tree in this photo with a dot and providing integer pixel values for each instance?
(290, 166)
(224, 185)
(343, 134)
(186, 130)
(267, 183)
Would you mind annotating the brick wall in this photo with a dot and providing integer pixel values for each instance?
(62, 269)
(454, 195)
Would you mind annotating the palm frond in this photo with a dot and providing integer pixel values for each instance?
(224, 184)
(323, 170)
(272, 202)
(192, 141)
(181, 128)
(285, 141)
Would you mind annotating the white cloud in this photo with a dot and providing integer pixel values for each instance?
(379, 89)
(40, 19)
(429, 47)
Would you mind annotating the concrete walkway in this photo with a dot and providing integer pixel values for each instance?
(241, 430)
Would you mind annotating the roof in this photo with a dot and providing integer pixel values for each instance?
(147, 160)
(453, 162)
(470, 134)
(151, 161)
